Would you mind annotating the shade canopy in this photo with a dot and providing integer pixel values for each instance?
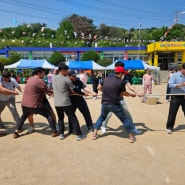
(128, 64)
(31, 64)
(86, 65)
(133, 65)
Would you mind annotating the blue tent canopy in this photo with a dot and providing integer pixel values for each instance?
(128, 64)
(31, 64)
(132, 64)
(90, 64)
(80, 65)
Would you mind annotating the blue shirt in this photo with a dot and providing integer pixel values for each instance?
(177, 78)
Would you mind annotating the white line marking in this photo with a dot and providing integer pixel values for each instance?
(150, 150)
(167, 180)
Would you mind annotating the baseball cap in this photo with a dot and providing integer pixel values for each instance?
(71, 73)
(120, 69)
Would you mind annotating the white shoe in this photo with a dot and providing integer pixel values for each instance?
(103, 129)
(167, 101)
(61, 136)
(30, 130)
(94, 98)
(80, 137)
(169, 131)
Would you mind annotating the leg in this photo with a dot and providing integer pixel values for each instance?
(105, 109)
(31, 128)
(60, 114)
(12, 107)
(1, 123)
(47, 105)
(150, 89)
(183, 106)
(168, 90)
(129, 117)
(47, 114)
(71, 127)
(174, 106)
(26, 111)
(145, 89)
(53, 116)
(95, 90)
(30, 119)
(2, 106)
(69, 111)
(105, 122)
(83, 108)
(118, 111)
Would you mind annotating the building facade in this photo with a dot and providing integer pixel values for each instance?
(166, 54)
(163, 54)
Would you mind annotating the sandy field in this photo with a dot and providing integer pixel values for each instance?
(156, 158)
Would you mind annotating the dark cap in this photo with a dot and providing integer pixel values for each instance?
(71, 73)
(120, 69)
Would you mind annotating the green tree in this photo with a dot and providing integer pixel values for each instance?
(14, 57)
(104, 62)
(65, 32)
(3, 62)
(90, 55)
(56, 58)
(81, 24)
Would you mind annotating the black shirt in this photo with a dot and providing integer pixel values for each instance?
(78, 86)
(112, 89)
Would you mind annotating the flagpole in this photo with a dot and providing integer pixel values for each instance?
(139, 38)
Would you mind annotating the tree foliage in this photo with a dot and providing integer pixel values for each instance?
(80, 31)
(56, 58)
(90, 55)
(14, 57)
(81, 25)
(104, 62)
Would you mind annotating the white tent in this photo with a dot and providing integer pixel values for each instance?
(146, 66)
(31, 64)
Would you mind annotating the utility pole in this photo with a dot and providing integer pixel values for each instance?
(139, 38)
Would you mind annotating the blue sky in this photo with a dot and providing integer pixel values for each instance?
(119, 13)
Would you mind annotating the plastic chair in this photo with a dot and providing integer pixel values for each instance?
(23, 80)
(135, 80)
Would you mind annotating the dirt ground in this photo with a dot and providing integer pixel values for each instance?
(156, 158)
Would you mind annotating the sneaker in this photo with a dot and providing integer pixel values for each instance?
(61, 136)
(136, 131)
(30, 130)
(103, 129)
(91, 129)
(15, 135)
(55, 134)
(94, 98)
(80, 137)
(167, 101)
(169, 131)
